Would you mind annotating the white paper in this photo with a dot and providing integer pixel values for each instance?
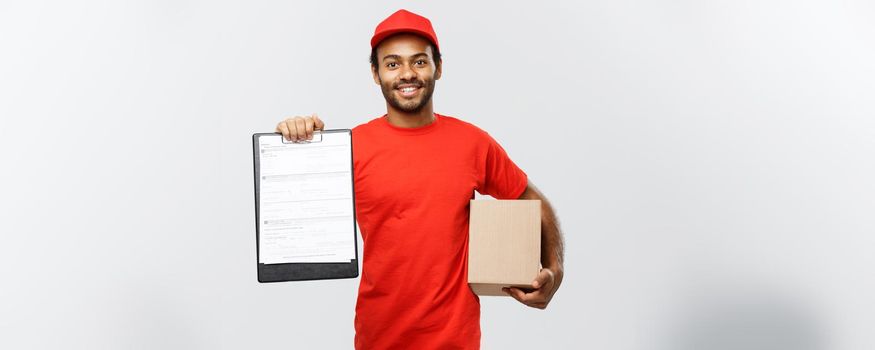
(305, 200)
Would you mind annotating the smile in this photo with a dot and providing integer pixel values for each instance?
(408, 91)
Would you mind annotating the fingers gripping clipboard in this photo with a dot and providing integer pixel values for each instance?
(305, 207)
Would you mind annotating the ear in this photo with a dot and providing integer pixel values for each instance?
(375, 74)
(437, 71)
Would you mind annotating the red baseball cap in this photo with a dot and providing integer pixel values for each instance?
(403, 21)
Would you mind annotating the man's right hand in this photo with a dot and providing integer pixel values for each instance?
(300, 128)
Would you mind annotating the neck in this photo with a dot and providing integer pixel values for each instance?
(403, 119)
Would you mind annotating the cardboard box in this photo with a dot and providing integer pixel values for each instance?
(504, 245)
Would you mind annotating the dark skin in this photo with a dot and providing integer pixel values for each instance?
(406, 62)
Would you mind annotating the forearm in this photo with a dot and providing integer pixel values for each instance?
(552, 242)
(550, 276)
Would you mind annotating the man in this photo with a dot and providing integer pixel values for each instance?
(415, 172)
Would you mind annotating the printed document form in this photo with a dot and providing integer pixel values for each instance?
(306, 200)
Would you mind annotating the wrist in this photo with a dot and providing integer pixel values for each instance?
(556, 268)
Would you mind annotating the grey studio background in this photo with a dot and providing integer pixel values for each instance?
(711, 163)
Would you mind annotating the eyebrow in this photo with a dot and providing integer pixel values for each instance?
(397, 57)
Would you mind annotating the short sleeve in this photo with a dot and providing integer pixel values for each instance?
(499, 176)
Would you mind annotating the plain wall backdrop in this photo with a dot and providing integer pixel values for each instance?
(711, 164)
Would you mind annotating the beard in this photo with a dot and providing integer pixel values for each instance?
(408, 105)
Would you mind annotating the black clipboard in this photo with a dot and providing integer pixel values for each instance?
(301, 271)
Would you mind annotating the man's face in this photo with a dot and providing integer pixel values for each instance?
(406, 72)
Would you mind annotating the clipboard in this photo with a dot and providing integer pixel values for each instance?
(305, 226)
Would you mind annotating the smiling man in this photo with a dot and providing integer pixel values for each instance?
(415, 173)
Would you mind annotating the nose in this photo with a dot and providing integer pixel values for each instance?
(407, 73)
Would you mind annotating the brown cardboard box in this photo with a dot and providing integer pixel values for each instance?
(504, 245)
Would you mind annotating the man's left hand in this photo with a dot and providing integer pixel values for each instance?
(545, 285)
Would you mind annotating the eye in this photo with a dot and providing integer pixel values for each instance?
(421, 62)
(391, 64)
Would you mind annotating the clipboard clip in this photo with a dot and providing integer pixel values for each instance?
(317, 137)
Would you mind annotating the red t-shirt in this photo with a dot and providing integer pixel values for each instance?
(412, 193)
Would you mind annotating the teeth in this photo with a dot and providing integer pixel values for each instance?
(408, 89)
